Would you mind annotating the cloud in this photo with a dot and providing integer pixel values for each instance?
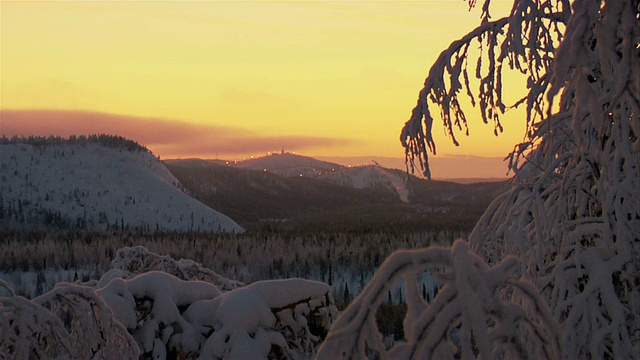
(166, 137)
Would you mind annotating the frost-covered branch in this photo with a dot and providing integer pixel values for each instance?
(524, 41)
(573, 215)
(480, 312)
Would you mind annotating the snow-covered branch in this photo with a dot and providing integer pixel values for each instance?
(572, 215)
(480, 311)
(524, 41)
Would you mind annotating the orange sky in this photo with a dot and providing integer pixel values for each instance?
(232, 79)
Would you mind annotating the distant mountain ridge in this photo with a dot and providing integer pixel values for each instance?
(301, 192)
(100, 182)
(108, 182)
(288, 165)
(255, 196)
(359, 177)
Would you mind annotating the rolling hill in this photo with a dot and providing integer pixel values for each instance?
(96, 183)
(255, 197)
(288, 165)
(332, 197)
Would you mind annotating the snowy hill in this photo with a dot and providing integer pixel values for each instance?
(292, 165)
(289, 165)
(90, 185)
(255, 196)
(370, 176)
(362, 197)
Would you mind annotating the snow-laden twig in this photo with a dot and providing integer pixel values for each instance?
(480, 311)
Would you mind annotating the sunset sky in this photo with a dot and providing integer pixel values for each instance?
(231, 79)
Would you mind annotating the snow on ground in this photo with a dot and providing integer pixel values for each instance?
(102, 187)
(397, 182)
(369, 177)
(156, 314)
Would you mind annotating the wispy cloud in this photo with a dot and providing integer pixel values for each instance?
(167, 137)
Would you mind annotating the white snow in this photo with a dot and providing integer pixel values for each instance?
(138, 260)
(101, 186)
(369, 176)
(155, 314)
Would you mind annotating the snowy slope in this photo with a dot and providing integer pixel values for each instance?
(97, 187)
(369, 176)
(289, 165)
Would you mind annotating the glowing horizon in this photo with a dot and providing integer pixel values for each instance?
(232, 78)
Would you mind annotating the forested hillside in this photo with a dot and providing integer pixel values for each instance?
(99, 182)
(264, 200)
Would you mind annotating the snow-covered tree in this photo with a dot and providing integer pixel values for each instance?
(139, 260)
(177, 308)
(573, 213)
(154, 314)
(28, 330)
(90, 324)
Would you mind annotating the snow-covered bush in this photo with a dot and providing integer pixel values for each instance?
(28, 330)
(479, 312)
(93, 333)
(176, 307)
(284, 319)
(138, 260)
(154, 314)
(68, 322)
(150, 306)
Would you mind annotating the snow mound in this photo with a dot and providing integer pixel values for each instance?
(69, 322)
(288, 319)
(154, 314)
(138, 260)
(150, 306)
